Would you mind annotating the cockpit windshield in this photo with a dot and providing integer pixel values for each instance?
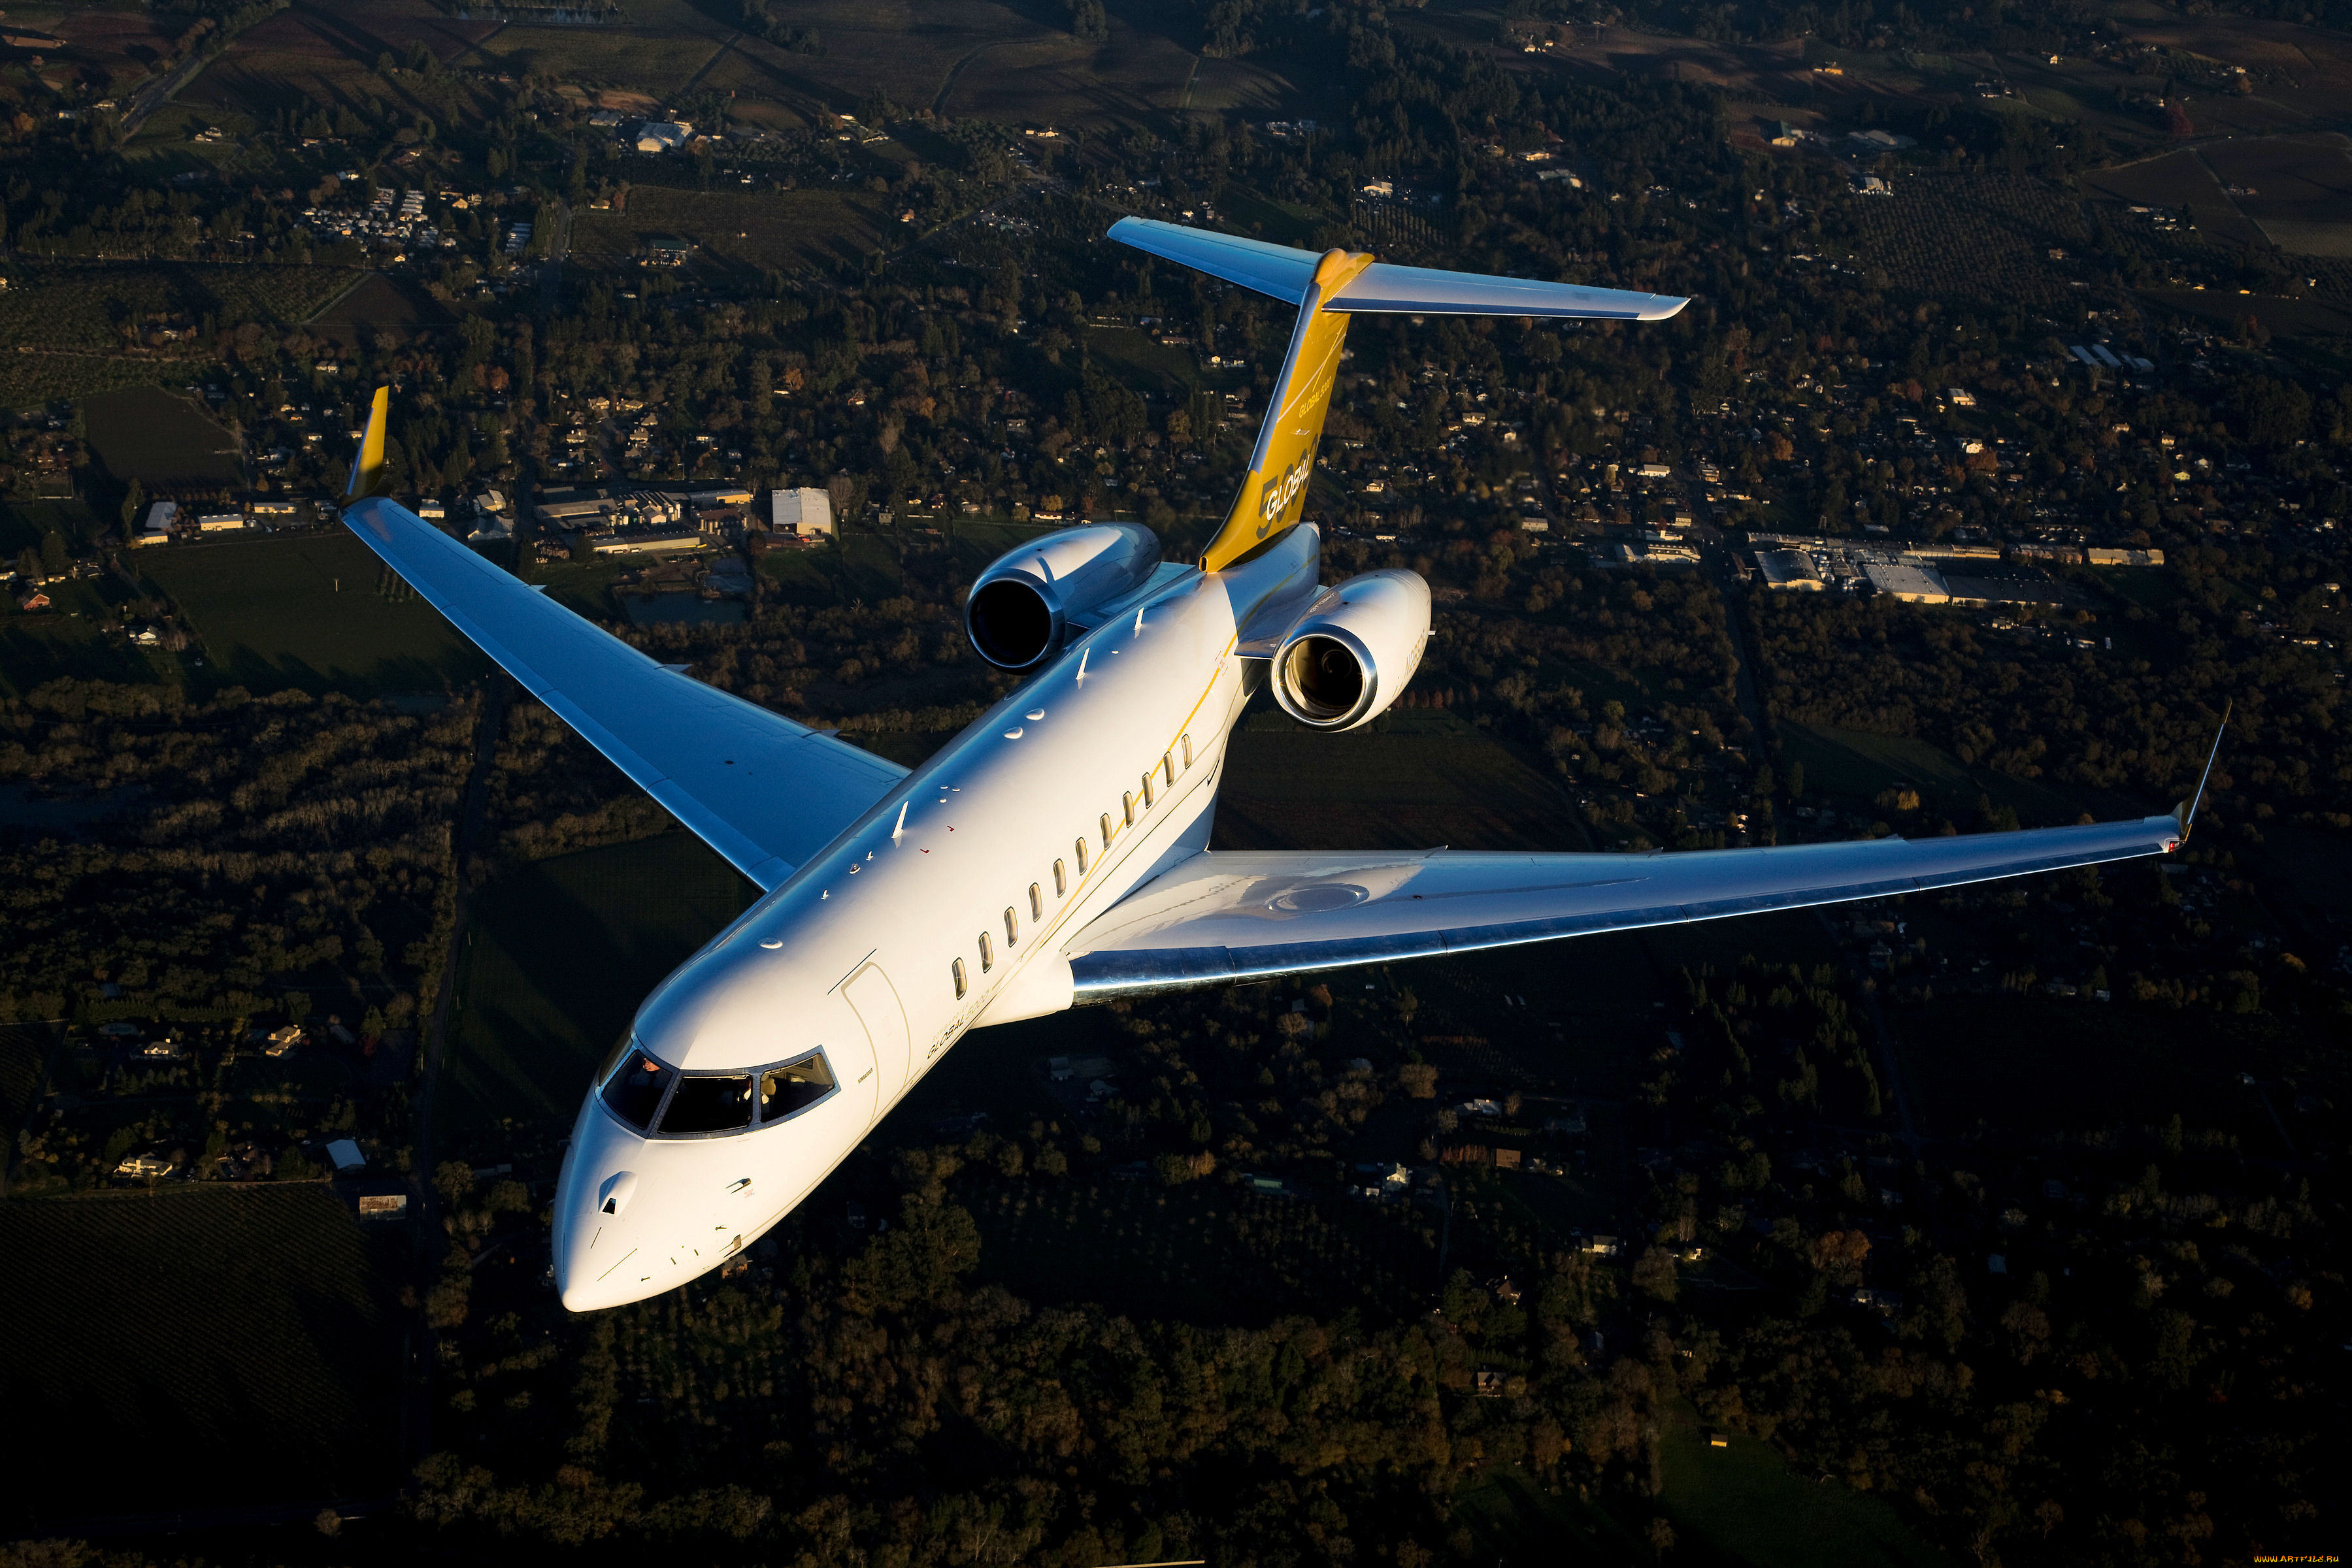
(634, 1092)
(655, 1098)
(708, 1106)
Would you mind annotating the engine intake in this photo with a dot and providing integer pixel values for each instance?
(1021, 609)
(1351, 654)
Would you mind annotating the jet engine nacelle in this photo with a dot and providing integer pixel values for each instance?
(1351, 654)
(1023, 607)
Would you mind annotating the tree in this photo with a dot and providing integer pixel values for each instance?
(134, 501)
(53, 554)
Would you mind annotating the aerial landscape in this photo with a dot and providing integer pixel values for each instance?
(1981, 464)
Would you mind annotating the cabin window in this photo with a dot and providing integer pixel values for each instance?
(1149, 791)
(1080, 846)
(1188, 753)
(1126, 807)
(957, 970)
(1036, 902)
(987, 953)
(1106, 830)
(1168, 770)
(708, 1104)
(1012, 926)
(796, 1086)
(1061, 876)
(635, 1091)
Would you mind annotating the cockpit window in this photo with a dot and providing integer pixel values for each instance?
(796, 1086)
(634, 1092)
(638, 1089)
(708, 1106)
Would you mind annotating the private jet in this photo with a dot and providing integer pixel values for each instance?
(1056, 852)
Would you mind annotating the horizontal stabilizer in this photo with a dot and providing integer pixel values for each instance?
(1287, 275)
(1426, 291)
(1275, 269)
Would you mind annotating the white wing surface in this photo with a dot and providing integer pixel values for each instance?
(1426, 291)
(1235, 916)
(764, 792)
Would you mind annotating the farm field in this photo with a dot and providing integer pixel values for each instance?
(197, 1329)
(1981, 236)
(774, 229)
(2179, 180)
(665, 46)
(560, 953)
(327, 53)
(90, 307)
(1746, 1504)
(2303, 190)
(165, 441)
(1973, 1060)
(314, 611)
(379, 301)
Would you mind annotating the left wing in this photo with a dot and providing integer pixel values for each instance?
(1216, 918)
(764, 792)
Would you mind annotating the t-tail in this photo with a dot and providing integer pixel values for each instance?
(1328, 288)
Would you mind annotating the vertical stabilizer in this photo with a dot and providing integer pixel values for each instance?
(1273, 491)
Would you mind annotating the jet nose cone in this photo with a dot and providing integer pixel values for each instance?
(591, 1235)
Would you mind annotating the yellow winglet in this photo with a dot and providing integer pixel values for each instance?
(367, 468)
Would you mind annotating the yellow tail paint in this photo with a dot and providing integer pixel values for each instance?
(367, 469)
(1274, 493)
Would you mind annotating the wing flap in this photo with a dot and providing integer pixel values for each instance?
(764, 792)
(1427, 291)
(1223, 917)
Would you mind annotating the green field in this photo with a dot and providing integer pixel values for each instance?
(1744, 1502)
(161, 439)
(1740, 1505)
(221, 1345)
(313, 611)
(784, 230)
(560, 953)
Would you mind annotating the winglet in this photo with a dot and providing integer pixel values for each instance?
(367, 468)
(2185, 813)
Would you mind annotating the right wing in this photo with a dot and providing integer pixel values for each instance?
(764, 792)
(1217, 918)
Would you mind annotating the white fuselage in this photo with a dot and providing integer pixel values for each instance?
(945, 907)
